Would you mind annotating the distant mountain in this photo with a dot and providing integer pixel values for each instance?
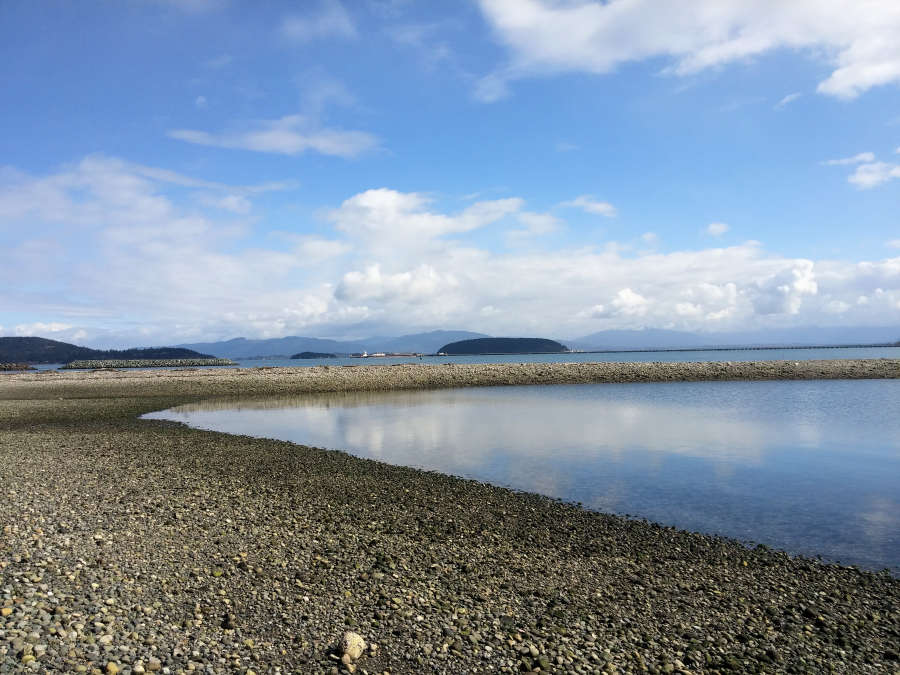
(420, 343)
(41, 350)
(313, 355)
(492, 345)
(649, 338)
(652, 338)
(242, 348)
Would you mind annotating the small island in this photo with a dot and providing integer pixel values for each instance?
(504, 346)
(314, 355)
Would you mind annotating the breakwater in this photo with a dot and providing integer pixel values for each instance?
(146, 363)
(268, 381)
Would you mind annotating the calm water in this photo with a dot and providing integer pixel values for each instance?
(808, 467)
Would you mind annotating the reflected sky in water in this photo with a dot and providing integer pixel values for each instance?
(809, 467)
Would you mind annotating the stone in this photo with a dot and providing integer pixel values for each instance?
(352, 645)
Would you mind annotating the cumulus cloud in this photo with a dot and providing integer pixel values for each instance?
(588, 204)
(857, 41)
(630, 303)
(328, 20)
(108, 245)
(872, 175)
(391, 216)
(784, 291)
(289, 135)
(717, 229)
(420, 284)
(869, 172)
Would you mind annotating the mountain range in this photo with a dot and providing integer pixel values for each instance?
(41, 350)
(420, 343)
(649, 338)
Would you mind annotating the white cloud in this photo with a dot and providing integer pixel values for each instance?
(893, 243)
(229, 202)
(534, 225)
(201, 102)
(117, 249)
(290, 135)
(869, 172)
(717, 229)
(861, 158)
(650, 238)
(783, 292)
(329, 20)
(417, 285)
(872, 175)
(588, 204)
(790, 98)
(25, 329)
(395, 217)
(856, 39)
(630, 303)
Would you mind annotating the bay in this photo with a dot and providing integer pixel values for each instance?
(810, 467)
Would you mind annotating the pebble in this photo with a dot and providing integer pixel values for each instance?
(152, 547)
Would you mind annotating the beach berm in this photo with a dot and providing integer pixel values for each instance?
(136, 546)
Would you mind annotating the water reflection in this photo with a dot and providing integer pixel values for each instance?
(811, 467)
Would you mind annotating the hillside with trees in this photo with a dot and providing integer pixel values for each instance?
(42, 350)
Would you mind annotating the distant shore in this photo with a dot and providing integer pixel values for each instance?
(134, 546)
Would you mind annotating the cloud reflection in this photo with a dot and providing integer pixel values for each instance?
(807, 466)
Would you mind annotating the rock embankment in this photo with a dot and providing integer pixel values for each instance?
(15, 366)
(146, 363)
(132, 546)
(276, 380)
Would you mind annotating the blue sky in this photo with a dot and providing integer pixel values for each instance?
(202, 169)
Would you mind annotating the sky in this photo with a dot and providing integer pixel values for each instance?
(183, 170)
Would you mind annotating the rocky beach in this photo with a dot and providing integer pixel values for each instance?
(134, 546)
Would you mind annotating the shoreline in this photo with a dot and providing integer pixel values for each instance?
(148, 544)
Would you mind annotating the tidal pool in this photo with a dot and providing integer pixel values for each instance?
(810, 467)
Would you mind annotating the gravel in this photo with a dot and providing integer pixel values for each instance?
(136, 546)
(145, 363)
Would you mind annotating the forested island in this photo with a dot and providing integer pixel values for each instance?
(314, 355)
(504, 346)
(42, 350)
